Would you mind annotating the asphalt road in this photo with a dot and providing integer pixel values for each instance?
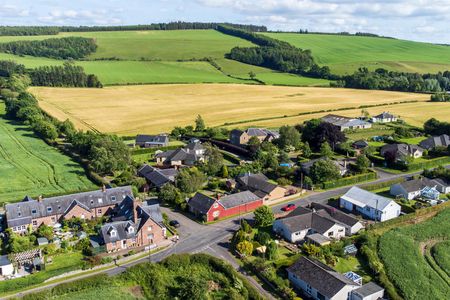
(213, 238)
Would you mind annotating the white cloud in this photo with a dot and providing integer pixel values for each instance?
(97, 17)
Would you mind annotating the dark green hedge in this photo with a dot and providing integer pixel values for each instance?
(349, 180)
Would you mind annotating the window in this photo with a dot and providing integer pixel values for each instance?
(49, 209)
(130, 229)
(150, 236)
(34, 223)
(99, 210)
(113, 233)
(330, 233)
(100, 200)
(33, 211)
(24, 227)
(53, 219)
(59, 207)
(113, 198)
(83, 216)
(92, 202)
(19, 214)
(149, 228)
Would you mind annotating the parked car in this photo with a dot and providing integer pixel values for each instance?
(289, 207)
(174, 223)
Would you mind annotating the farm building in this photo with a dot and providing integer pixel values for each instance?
(344, 123)
(384, 117)
(210, 209)
(259, 184)
(152, 141)
(370, 205)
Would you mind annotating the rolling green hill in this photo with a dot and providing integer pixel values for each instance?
(344, 54)
(170, 56)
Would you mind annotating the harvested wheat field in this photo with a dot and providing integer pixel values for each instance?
(127, 110)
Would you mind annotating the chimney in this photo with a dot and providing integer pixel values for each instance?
(136, 204)
(39, 199)
(103, 188)
(218, 196)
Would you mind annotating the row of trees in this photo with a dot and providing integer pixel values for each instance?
(105, 153)
(58, 48)
(382, 79)
(440, 97)
(67, 75)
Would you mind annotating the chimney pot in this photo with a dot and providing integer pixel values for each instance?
(103, 188)
(40, 198)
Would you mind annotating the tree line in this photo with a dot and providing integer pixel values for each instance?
(58, 48)
(53, 30)
(368, 34)
(382, 79)
(28, 30)
(104, 153)
(274, 54)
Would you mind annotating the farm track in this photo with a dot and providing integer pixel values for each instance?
(425, 248)
(51, 173)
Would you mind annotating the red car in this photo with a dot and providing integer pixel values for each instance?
(288, 207)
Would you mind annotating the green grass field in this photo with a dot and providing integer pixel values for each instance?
(28, 166)
(441, 253)
(345, 54)
(404, 253)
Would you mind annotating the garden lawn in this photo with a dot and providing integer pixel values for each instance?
(401, 251)
(28, 166)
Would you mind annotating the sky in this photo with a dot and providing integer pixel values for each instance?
(420, 20)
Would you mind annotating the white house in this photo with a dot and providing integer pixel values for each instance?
(351, 224)
(384, 117)
(372, 206)
(416, 188)
(319, 281)
(303, 222)
(6, 267)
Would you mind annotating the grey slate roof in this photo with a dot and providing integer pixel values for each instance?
(435, 141)
(335, 214)
(4, 260)
(360, 144)
(385, 115)
(201, 203)
(122, 231)
(21, 212)
(400, 149)
(364, 198)
(158, 177)
(233, 200)
(302, 219)
(256, 182)
(341, 121)
(319, 276)
(417, 184)
(152, 139)
(368, 289)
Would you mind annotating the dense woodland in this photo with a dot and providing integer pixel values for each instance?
(59, 48)
(274, 54)
(68, 75)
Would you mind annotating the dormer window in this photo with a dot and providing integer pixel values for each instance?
(113, 233)
(113, 198)
(49, 209)
(19, 214)
(92, 202)
(33, 211)
(130, 229)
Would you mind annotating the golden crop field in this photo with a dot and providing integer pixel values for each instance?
(128, 110)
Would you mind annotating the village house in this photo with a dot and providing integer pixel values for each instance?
(319, 225)
(143, 227)
(398, 152)
(370, 205)
(156, 177)
(345, 123)
(359, 146)
(412, 189)
(239, 137)
(49, 211)
(436, 141)
(152, 141)
(214, 208)
(384, 117)
(342, 164)
(320, 282)
(259, 184)
(188, 156)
